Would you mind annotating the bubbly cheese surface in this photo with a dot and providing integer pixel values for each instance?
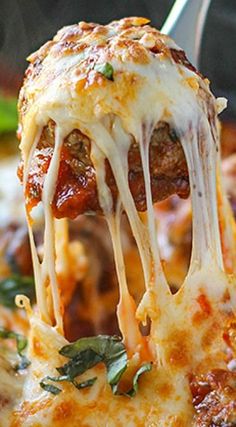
(64, 84)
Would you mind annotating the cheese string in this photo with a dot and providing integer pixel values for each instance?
(118, 159)
(117, 156)
(49, 256)
(126, 309)
(46, 294)
(33, 134)
(156, 285)
(62, 247)
(159, 281)
(200, 153)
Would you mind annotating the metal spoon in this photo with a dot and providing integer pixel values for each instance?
(185, 24)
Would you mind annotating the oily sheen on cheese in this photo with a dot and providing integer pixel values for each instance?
(148, 86)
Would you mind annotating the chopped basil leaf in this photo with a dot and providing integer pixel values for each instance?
(116, 366)
(15, 285)
(23, 364)
(21, 344)
(49, 387)
(106, 69)
(55, 390)
(57, 379)
(146, 367)
(88, 352)
(8, 114)
(21, 341)
(105, 345)
(79, 364)
(84, 384)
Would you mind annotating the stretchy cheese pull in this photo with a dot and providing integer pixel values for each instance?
(112, 87)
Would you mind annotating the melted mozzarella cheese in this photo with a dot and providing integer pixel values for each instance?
(10, 385)
(145, 90)
(95, 406)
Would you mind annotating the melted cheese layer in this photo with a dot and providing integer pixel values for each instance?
(148, 87)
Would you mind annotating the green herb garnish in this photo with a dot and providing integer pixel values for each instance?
(105, 69)
(146, 367)
(56, 390)
(79, 364)
(21, 344)
(21, 341)
(49, 387)
(86, 353)
(8, 114)
(15, 285)
(23, 364)
(85, 384)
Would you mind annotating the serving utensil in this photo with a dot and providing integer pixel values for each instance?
(185, 24)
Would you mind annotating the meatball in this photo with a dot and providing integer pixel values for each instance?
(214, 398)
(76, 189)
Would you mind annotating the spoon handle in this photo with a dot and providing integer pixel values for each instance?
(185, 24)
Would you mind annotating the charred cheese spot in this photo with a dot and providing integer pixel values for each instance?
(64, 411)
(208, 337)
(179, 349)
(205, 305)
(205, 310)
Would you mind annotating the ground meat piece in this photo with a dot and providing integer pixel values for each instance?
(180, 57)
(76, 190)
(214, 399)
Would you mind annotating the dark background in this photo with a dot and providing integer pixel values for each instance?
(26, 24)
